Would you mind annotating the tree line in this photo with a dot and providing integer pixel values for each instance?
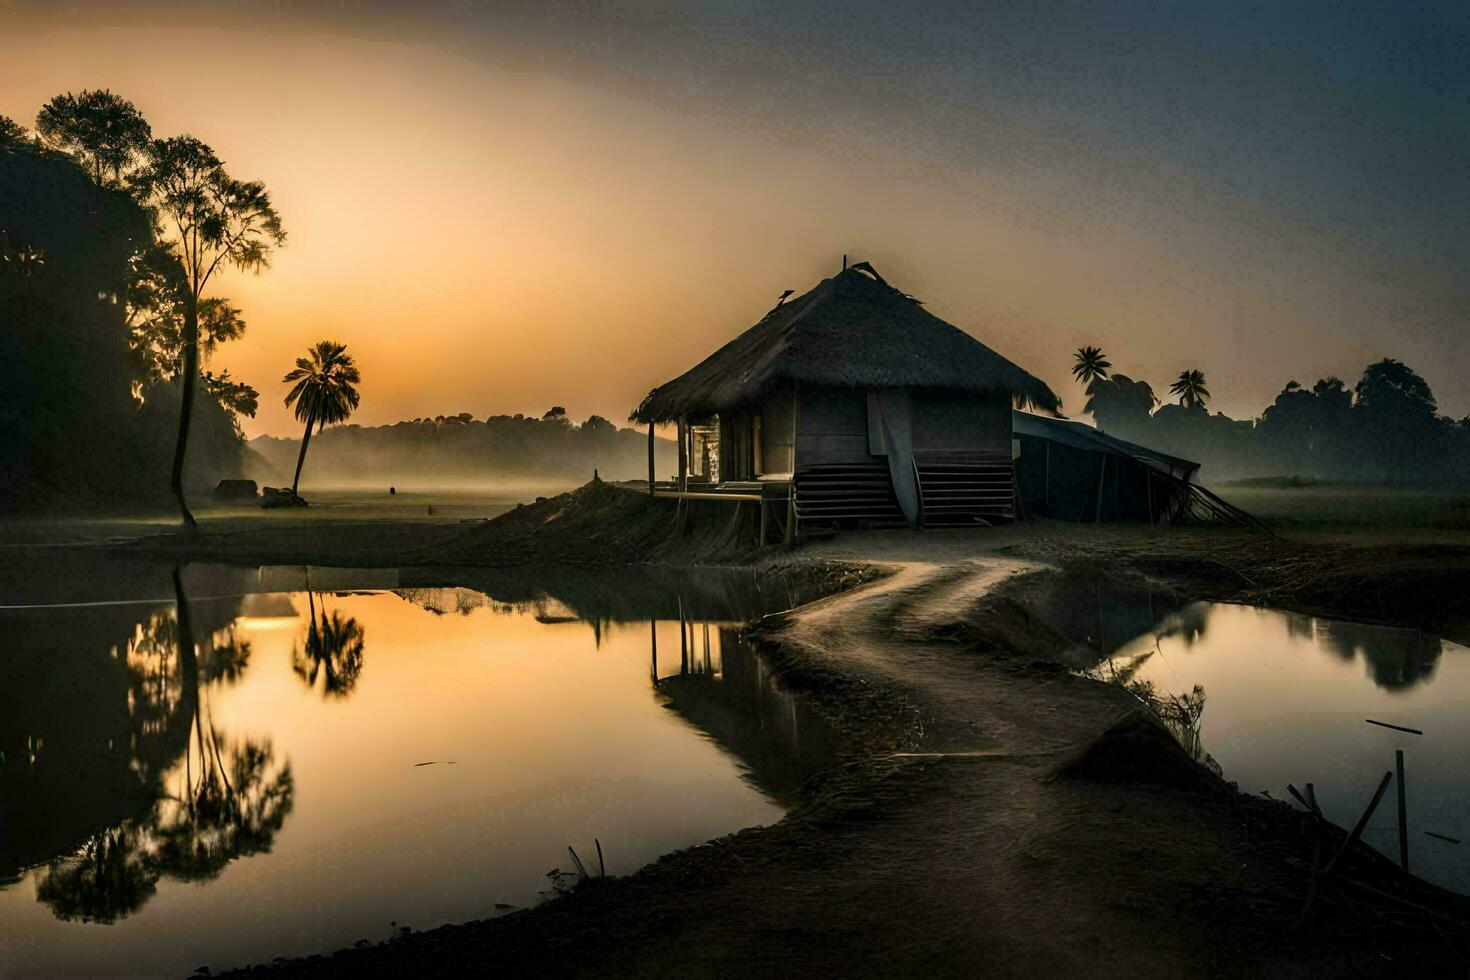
(464, 448)
(110, 238)
(1387, 427)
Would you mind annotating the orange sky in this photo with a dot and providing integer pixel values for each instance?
(491, 237)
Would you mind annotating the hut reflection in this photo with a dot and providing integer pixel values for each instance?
(722, 685)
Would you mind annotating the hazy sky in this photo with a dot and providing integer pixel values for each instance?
(500, 207)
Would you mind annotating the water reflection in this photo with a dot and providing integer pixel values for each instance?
(211, 798)
(147, 744)
(1282, 698)
(333, 648)
(726, 689)
(1116, 616)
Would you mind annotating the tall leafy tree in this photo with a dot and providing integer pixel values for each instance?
(1090, 364)
(11, 131)
(1190, 387)
(217, 221)
(1390, 388)
(324, 391)
(1120, 403)
(103, 132)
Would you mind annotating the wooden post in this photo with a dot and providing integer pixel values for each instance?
(761, 535)
(682, 482)
(1046, 484)
(790, 537)
(791, 492)
(1398, 759)
(683, 455)
(650, 459)
(1102, 475)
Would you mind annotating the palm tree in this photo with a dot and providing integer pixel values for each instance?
(1092, 365)
(323, 391)
(1190, 387)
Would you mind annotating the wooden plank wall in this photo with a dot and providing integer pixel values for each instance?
(832, 427)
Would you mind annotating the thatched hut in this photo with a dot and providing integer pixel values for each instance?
(854, 405)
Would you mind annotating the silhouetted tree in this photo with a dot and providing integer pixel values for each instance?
(323, 390)
(1118, 403)
(105, 133)
(1391, 389)
(218, 221)
(1190, 387)
(11, 131)
(1091, 365)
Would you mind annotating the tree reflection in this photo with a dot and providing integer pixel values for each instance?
(108, 878)
(231, 799)
(234, 809)
(333, 651)
(1394, 659)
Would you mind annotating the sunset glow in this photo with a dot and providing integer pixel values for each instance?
(496, 227)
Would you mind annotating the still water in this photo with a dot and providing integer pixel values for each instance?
(347, 754)
(1286, 698)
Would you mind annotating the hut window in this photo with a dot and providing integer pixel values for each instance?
(704, 452)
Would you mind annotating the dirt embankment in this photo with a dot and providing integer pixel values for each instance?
(597, 525)
(990, 816)
(1418, 586)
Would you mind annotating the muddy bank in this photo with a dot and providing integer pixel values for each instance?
(1416, 586)
(1370, 577)
(596, 525)
(980, 821)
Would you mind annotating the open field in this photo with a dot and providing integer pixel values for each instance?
(331, 508)
(1422, 512)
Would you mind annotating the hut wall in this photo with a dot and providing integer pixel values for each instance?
(1070, 484)
(832, 426)
(953, 421)
(776, 417)
(737, 450)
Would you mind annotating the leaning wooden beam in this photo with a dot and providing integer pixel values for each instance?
(1352, 838)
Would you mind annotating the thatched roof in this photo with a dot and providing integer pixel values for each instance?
(852, 330)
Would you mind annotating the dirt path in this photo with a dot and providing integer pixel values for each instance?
(958, 854)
